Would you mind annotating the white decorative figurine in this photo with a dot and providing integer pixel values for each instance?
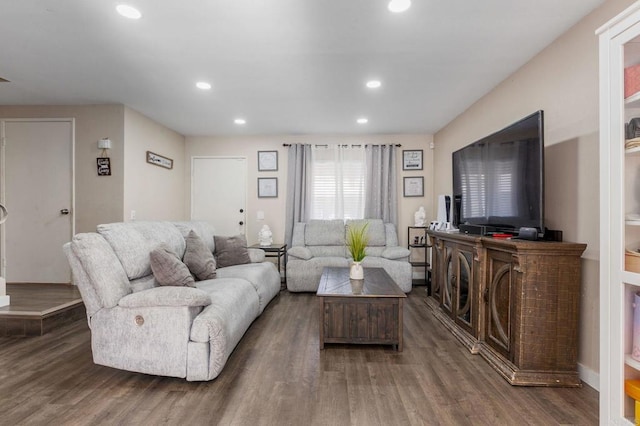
(265, 236)
(419, 217)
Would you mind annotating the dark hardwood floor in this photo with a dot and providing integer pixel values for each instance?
(278, 376)
(36, 309)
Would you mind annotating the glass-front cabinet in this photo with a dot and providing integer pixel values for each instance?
(619, 211)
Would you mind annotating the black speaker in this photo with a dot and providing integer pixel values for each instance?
(447, 201)
(457, 207)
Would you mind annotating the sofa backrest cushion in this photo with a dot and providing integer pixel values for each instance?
(103, 282)
(325, 238)
(375, 231)
(324, 233)
(297, 239)
(133, 241)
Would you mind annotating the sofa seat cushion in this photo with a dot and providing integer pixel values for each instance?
(264, 277)
(133, 241)
(304, 275)
(234, 306)
(400, 272)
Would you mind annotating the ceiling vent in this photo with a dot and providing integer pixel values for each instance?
(3, 80)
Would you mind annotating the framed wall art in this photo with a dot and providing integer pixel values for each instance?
(267, 161)
(267, 187)
(413, 186)
(104, 166)
(159, 160)
(412, 159)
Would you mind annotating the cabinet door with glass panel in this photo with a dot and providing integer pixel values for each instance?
(619, 211)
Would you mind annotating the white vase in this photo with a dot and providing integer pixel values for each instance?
(356, 272)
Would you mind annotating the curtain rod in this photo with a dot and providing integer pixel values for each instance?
(343, 145)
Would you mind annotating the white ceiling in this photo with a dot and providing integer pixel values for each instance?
(286, 66)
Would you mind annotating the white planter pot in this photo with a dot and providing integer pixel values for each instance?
(356, 272)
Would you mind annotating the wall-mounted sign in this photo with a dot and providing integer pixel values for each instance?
(159, 160)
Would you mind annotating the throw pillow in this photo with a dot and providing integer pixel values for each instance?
(231, 251)
(198, 258)
(168, 269)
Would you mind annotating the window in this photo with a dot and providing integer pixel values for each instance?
(337, 186)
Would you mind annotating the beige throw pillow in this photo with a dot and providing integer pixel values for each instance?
(198, 258)
(231, 251)
(168, 269)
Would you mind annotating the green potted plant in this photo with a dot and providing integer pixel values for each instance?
(357, 240)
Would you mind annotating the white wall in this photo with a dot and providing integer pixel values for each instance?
(563, 81)
(274, 208)
(153, 192)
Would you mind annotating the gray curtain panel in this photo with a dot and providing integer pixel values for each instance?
(299, 167)
(381, 198)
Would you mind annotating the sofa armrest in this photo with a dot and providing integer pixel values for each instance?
(395, 253)
(300, 253)
(256, 255)
(166, 296)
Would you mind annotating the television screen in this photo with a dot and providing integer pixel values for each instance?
(498, 181)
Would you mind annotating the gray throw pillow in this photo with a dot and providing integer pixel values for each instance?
(168, 269)
(231, 251)
(198, 258)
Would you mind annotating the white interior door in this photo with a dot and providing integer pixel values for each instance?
(37, 179)
(219, 193)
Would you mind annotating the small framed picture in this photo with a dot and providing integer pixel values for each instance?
(104, 166)
(267, 187)
(159, 160)
(412, 159)
(413, 186)
(267, 161)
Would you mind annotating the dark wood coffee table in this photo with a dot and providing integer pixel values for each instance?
(365, 312)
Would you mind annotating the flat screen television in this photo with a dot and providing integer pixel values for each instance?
(498, 181)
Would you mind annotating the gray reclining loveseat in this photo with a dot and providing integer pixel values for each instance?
(319, 243)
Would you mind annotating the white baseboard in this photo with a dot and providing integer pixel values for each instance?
(589, 376)
(4, 301)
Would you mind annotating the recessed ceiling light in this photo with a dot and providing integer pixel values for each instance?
(203, 85)
(128, 11)
(373, 84)
(362, 120)
(397, 6)
(240, 121)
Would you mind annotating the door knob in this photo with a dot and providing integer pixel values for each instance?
(241, 210)
(64, 211)
(241, 223)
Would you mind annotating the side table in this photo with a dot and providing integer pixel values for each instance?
(277, 250)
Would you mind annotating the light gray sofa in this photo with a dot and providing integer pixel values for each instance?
(319, 243)
(139, 326)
